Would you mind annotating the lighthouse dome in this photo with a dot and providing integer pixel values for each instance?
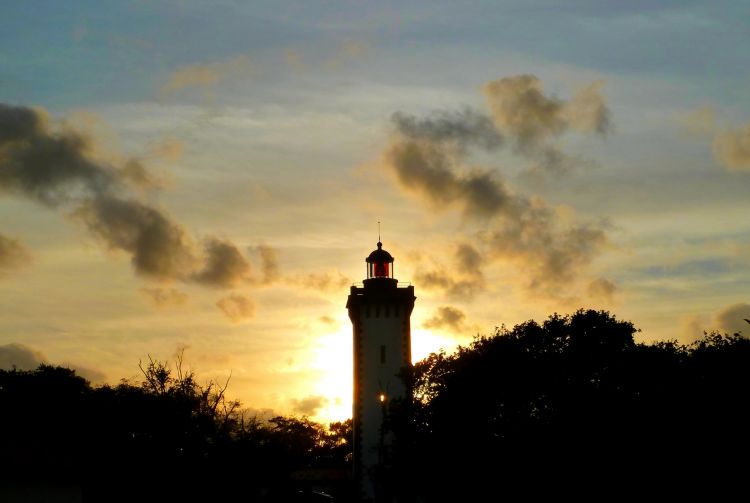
(379, 255)
(379, 263)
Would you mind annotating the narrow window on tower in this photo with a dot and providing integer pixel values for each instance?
(382, 355)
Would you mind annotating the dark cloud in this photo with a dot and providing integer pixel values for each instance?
(13, 254)
(464, 128)
(237, 307)
(463, 279)
(48, 166)
(56, 167)
(310, 405)
(448, 318)
(224, 266)
(158, 246)
(22, 357)
(731, 319)
(429, 156)
(468, 259)
(327, 320)
(602, 289)
(550, 256)
(165, 297)
(533, 120)
(430, 170)
(521, 110)
(454, 288)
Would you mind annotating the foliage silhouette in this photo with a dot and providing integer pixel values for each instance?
(164, 439)
(573, 404)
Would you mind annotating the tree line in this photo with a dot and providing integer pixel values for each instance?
(571, 404)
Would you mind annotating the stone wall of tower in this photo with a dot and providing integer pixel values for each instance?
(380, 314)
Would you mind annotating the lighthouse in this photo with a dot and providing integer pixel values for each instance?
(380, 311)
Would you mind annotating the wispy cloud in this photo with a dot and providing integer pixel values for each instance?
(309, 406)
(448, 318)
(204, 76)
(13, 254)
(731, 148)
(236, 307)
(165, 297)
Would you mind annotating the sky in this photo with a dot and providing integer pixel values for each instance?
(208, 178)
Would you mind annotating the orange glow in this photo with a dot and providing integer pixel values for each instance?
(424, 342)
(333, 358)
(382, 397)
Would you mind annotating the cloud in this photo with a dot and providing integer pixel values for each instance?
(602, 289)
(428, 158)
(453, 287)
(700, 122)
(48, 166)
(324, 281)
(693, 327)
(224, 266)
(522, 112)
(731, 319)
(165, 297)
(293, 58)
(327, 320)
(347, 50)
(269, 264)
(552, 256)
(158, 246)
(136, 174)
(21, 357)
(13, 254)
(92, 375)
(170, 149)
(430, 170)
(587, 112)
(55, 166)
(237, 307)
(204, 76)
(520, 109)
(469, 259)
(732, 148)
(465, 128)
(447, 317)
(463, 280)
(310, 405)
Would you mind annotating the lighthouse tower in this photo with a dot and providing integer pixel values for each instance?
(380, 312)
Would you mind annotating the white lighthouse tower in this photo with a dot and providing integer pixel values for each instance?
(380, 312)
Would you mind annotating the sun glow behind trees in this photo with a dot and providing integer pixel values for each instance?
(332, 359)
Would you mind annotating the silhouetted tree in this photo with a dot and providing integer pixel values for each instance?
(167, 438)
(576, 401)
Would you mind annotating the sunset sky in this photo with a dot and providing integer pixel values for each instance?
(209, 177)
